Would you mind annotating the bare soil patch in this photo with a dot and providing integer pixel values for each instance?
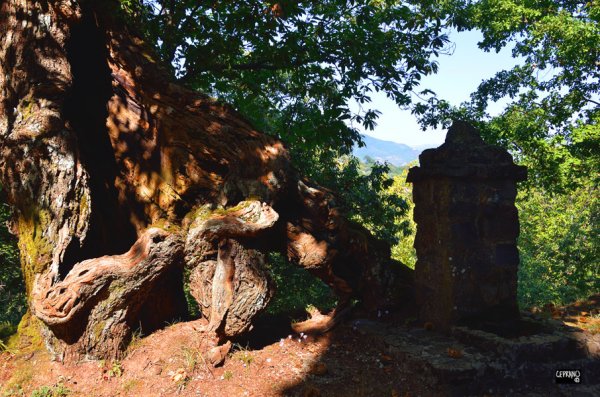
(271, 361)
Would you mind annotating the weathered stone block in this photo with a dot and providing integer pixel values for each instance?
(507, 255)
(464, 194)
(500, 224)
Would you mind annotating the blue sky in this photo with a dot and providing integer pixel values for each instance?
(458, 76)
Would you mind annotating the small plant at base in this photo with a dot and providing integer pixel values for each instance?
(243, 354)
(16, 390)
(3, 347)
(115, 370)
(136, 339)
(245, 357)
(58, 390)
(173, 322)
(61, 390)
(227, 375)
(43, 391)
(191, 358)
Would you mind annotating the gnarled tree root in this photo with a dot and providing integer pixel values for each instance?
(98, 145)
(228, 275)
(94, 310)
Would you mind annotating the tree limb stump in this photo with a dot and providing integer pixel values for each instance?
(228, 277)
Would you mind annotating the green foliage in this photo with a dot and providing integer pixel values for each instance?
(557, 163)
(227, 375)
(295, 288)
(365, 197)
(12, 288)
(551, 120)
(551, 125)
(369, 163)
(559, 246)
(192, 304)
(115, 370)
(6, 330)
(558, 42)
(404, 251)
(58, 390)
(293, 67)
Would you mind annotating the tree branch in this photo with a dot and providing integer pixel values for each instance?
(259, 65)
(592, 101)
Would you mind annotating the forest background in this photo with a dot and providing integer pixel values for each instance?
(307, 71)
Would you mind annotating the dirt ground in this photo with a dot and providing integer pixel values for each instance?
(271, 361)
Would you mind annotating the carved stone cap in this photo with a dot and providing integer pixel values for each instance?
(465, 155)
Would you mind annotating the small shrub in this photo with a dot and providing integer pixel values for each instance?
(296, 288)
(192, 357)
(192, 305)
(227, 375)
(43, 391)
(136, 339)
(243, 355)
(115, 371)
(559, 246)
(58, 390)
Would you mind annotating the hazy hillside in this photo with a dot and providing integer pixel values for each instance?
(392, 152)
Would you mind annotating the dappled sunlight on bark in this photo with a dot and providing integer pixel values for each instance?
(100, 148)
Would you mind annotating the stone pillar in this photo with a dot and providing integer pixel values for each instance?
(467, 225)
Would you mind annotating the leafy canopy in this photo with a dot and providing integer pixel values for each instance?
(559, 245)
(551, 122)
(293, 67)
(305, 71)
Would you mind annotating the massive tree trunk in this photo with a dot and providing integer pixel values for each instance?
(119, 178)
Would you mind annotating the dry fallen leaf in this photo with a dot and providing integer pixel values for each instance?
(454, 353)
(319, 369)
(386, 359)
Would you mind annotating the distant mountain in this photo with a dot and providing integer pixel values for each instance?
(420, 148)
(394, 153)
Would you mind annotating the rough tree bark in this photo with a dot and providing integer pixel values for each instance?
(101, 153)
